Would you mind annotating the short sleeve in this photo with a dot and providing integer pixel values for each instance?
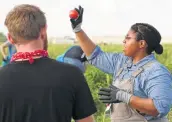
(84, 105)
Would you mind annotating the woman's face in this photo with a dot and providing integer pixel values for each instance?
(131, 45)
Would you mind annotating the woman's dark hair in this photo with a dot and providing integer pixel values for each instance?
(150, 34)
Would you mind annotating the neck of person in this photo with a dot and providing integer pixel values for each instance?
(138, 56)
(30, 47)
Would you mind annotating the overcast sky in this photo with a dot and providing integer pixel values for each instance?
(101, 17)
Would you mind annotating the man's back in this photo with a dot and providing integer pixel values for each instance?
(45, 91)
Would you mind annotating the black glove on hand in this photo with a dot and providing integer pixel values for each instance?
(114, 95)
(76, 23)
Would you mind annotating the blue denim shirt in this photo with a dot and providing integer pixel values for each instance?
(154, 82)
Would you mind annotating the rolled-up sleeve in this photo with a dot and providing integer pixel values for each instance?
(159, 88)
(107, 62)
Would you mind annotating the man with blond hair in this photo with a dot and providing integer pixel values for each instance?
(34, 87)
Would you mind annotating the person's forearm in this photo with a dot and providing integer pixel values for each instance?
(85, 42)
(3, 52)
(143, 105)
(87, 119)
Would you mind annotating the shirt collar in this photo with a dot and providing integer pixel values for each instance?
(142, 62)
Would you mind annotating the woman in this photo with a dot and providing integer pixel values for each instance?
(142, 87)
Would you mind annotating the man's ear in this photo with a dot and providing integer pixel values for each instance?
(9, 37)
(43, 31)
(142, 44)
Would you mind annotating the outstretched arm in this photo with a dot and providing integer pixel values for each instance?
(85, 42)
(107, 62)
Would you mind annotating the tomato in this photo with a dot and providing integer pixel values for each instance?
(73, 14)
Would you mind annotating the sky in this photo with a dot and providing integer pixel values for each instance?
(101, 17)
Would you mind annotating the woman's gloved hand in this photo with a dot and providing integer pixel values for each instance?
(114, 95)
(76, 23)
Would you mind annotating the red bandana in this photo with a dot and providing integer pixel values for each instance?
(29, 55)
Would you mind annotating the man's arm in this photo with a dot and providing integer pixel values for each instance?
(87, 119)
(84, 106)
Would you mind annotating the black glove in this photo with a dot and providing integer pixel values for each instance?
(76, 23)
(114, 95)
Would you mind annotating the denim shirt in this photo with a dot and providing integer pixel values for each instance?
(154, 82)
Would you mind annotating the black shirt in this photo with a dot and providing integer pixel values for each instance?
(45, 91)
